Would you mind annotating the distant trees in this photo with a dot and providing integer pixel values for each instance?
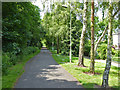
(59, 26)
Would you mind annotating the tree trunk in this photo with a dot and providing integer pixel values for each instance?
(100, 38)
(52, 43)
(81, 47)
(92, 38)
(58, 45)
(109, 49)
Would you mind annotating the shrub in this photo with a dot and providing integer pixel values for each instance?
(101, 51)
(29, 50)
(5, 62)
(87, 50)
(115, 55)
(9, 58)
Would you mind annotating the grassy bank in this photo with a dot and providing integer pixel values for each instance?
(88, 81)
(16, 71)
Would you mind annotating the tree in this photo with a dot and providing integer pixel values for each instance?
(103, 34)
(109, 49)
(21, 26)
(92, 38)
(81, 47)
(22, 32)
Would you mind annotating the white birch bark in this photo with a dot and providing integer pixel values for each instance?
(109, 49)
(81, 47)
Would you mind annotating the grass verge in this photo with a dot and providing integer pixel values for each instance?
(88, 81)
(16, 71)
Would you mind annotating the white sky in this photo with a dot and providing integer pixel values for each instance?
(40, 5)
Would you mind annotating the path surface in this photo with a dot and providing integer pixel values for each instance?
(104, 61)
(43, 72)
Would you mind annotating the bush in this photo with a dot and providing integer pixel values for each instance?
(39, 45)
(29, 50)
(101, 52)
(10, 59)
(5, 62)
(87, 50)
(115, 55)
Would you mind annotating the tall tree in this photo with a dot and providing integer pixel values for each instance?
(109, 49)
(81, 47)
(92, 38)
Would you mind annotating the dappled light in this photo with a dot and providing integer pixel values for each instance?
(60, 44)
(43, 68)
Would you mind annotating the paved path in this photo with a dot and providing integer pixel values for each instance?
(104, 61)
(43, 72)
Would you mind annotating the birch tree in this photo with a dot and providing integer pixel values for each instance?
(109, 49)
(81, 47)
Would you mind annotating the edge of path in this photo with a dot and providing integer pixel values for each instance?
(30, 60)
(66, 70)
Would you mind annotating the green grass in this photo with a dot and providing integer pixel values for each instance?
(15, 72)
(88, 81)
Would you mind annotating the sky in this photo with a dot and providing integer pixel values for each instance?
(40, 5)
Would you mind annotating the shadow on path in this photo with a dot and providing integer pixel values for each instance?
(43, 72)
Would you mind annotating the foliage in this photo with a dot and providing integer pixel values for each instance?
(14, 72)
(58, 29)
(22, 32)
(87, 48)
(116, 55)
(102, 51)
(21, 26)
(10, 59)
(57, 26)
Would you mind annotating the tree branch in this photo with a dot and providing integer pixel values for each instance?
(100, 38)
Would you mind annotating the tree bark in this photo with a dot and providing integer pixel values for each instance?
(58, 45)
(92, 38)
(81, 47)
(100, 38)
(109, 49)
